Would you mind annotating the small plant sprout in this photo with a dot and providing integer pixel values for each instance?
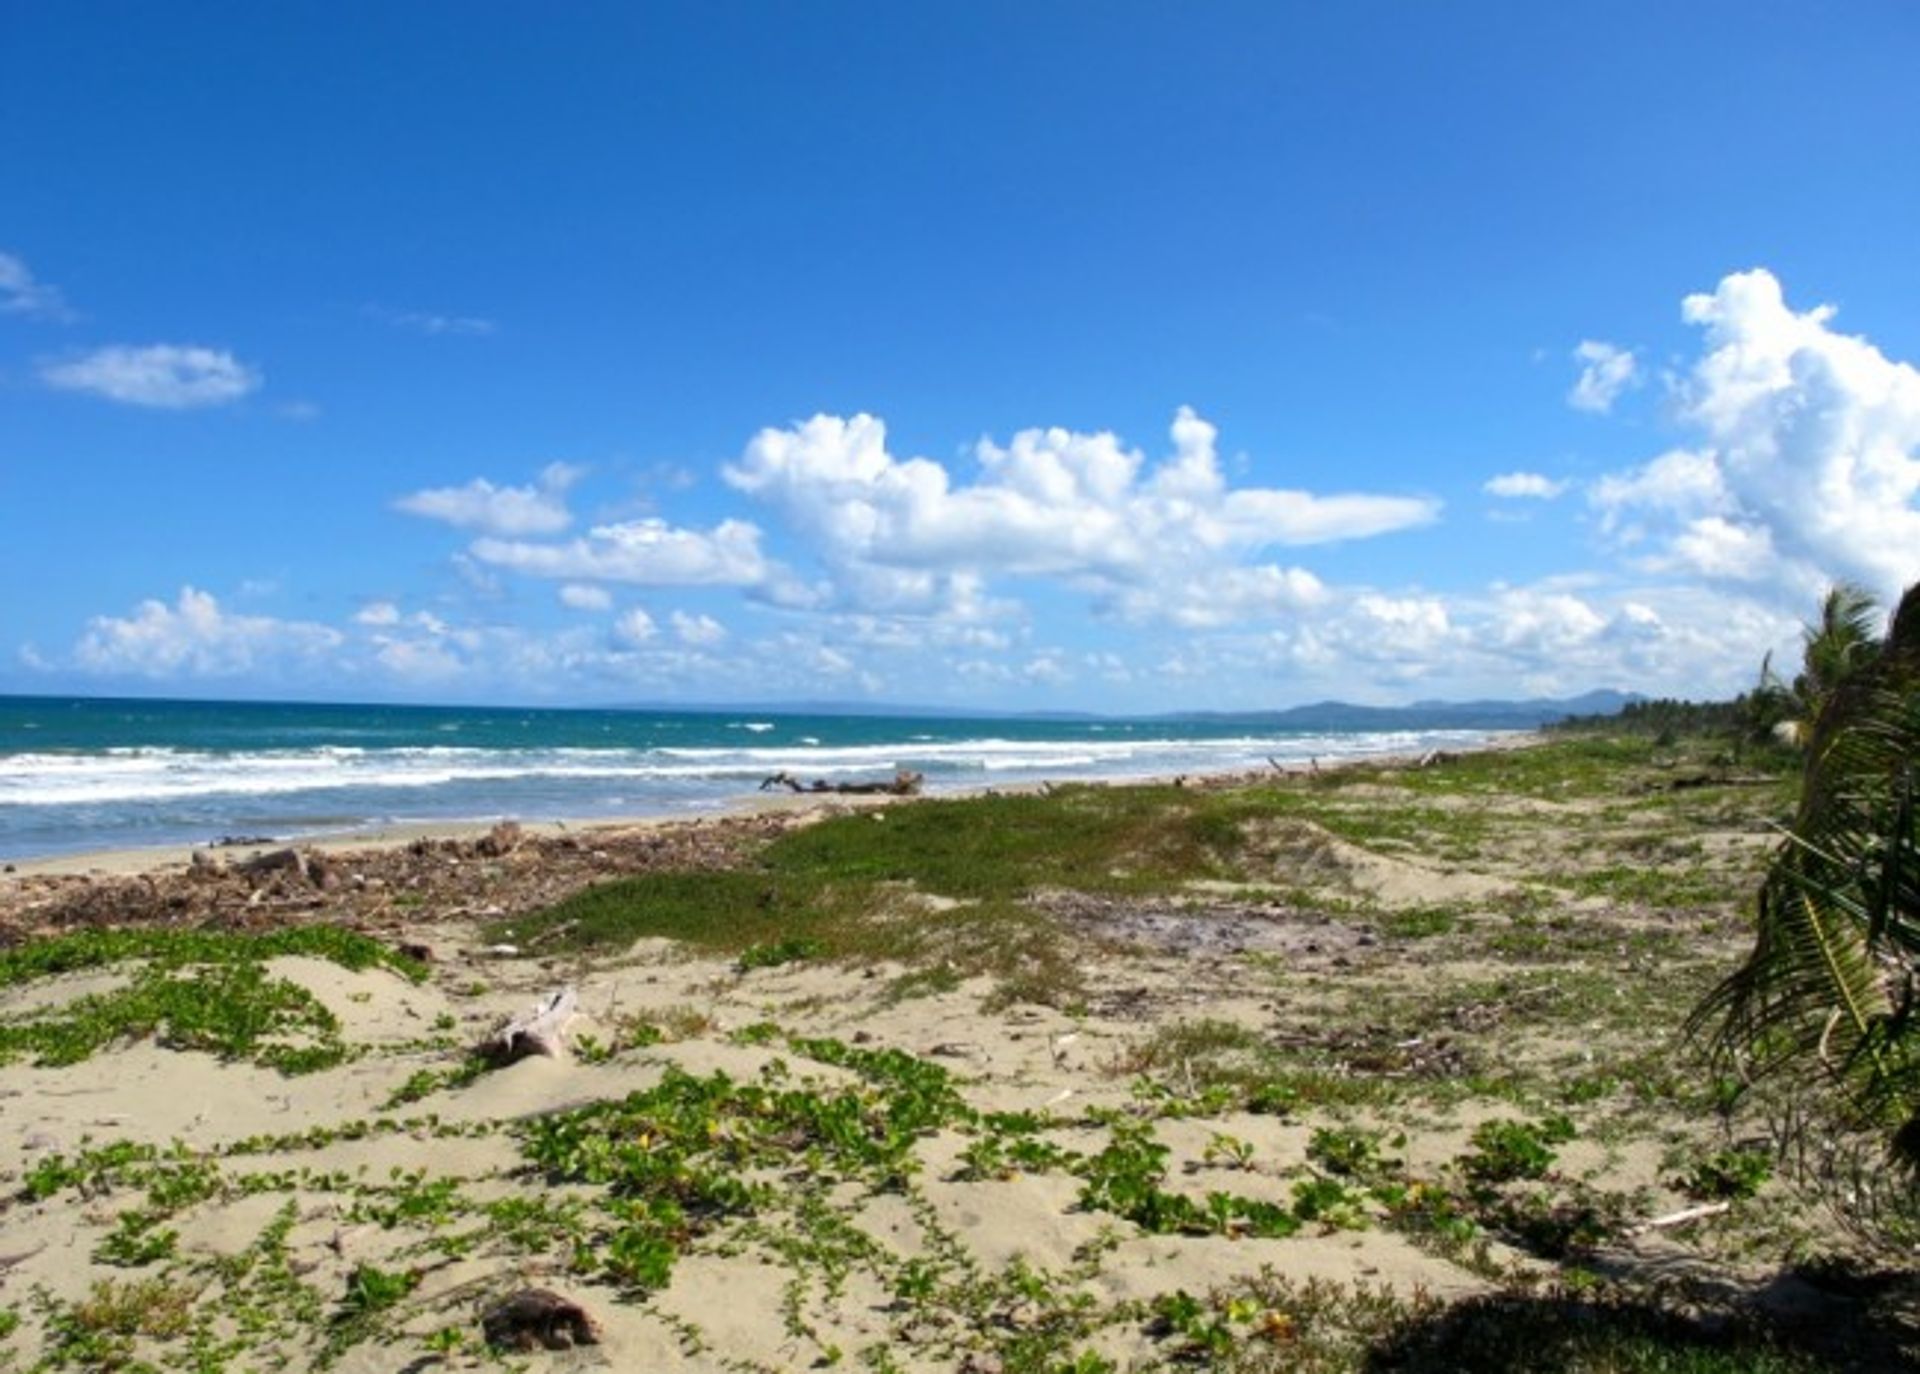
(1229, 1150)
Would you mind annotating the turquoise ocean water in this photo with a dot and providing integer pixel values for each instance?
(80, 774)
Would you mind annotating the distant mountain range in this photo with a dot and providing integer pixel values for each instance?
(1320, 716)
(1426, 715)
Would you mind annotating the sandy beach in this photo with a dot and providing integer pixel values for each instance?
(1389, 1041)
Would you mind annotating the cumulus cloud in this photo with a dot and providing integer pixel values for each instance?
(21, 294)
(164, 376)
(647, 552)
(583, 596)
(701, 631)
(537, 509)
(1220, 597)
(194, 637)
(1544, 623)
(1145, 541)
(1524, 486)
(1808, 462)
(1052, 502)
(634, 628)
(377, 613)
(1605, 372)
(1418, 624)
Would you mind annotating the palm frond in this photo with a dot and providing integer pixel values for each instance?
(1831, 980)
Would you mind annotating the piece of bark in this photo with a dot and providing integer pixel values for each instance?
(536, 1319)
(540, 1030)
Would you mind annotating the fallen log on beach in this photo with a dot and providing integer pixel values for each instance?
(904, 784)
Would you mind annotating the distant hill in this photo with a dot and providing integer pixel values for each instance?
(1323, 715)
(1425, 715)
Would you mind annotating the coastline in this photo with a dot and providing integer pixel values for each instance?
(156, 860)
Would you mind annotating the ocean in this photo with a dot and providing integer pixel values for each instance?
(87, 774)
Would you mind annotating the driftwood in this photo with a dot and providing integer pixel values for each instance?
(1681, 1217)
(904, 784)
(537, 1318)
(275, 861)
(539, 1030)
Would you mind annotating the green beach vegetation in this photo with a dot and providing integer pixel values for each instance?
(1829, 990)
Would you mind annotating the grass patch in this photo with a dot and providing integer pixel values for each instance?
(89, 949)
(764, 916)
(194, 990)
(1089, 839)
(791, 950)
(1418, 923)
(1653, 885)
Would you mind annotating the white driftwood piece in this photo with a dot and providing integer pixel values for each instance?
(541, 1030)
(1681, 1217)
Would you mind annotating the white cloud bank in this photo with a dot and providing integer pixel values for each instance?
(537, 509)
(162, 376)
(1807, 467)
(1802, 463)
(195, 638)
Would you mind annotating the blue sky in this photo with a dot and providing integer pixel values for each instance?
(1116, 356)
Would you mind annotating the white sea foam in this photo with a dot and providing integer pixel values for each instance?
(160, 775)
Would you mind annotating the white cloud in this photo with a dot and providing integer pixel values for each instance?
(634, 628)
(585, 597)
(428, 322)
(1718, 547)
(194, 637)
(1146, 541)
(1808, 468)
(1222, 596)
(1544, 622)
(165, 376)
(419, 660)
(377, 613)
(1606, 371)
(701, 631)
(1681, 482)
(1524, 486)
(1417, 624)
(537, 509)
(648, 552)
(21, 294)
(1052, 502)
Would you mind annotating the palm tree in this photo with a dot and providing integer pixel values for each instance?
(1839, 644)
(1831, 984)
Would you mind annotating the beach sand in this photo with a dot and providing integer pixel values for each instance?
(1383, 977)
